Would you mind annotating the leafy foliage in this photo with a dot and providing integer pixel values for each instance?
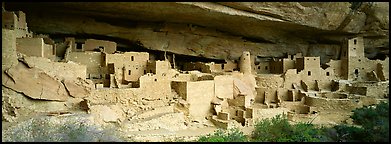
(232, 135)
(374, 126)
(374, 120)
(278, 129)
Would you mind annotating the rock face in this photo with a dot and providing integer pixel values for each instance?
(218, 30)
(325, 16)
(78, 88)
(34, 83)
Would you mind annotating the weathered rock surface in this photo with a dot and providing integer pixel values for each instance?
(34, 83)
(217, 30)
(325, 16)
(16, 106)
(78, 88)
(168, 121)
(110, 113)
(59, 70)
(8, 49)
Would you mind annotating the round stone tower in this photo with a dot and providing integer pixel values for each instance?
(245, 63)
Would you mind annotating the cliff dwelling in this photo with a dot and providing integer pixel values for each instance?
(156, 77)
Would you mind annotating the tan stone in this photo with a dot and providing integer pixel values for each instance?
(60, 70)
(77, 88)
(8, 49)
(106, 46)
(110, 113)
(224, 86)
(240, 88)
(35, 83)
(199, 96)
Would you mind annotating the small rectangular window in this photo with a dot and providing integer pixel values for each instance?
(129, 72)
(327, 73)
(132, 58)
(79, 46)
(309, 73)
(265, 67)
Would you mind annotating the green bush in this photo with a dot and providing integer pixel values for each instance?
(374, 120)
(231, 135)
(374, 126)
(278, 129)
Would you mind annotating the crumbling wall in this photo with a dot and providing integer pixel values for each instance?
(215, 67)
(267, 87)
(112, 96)
(16, 21)
(287, 64)
(291, 78)
(134, 70)
(136, 62)
(336, 67)
(338, 104)
(30, 46)
(276, 67)
(296, 107)
(180, 88)
(248, 80)
(229, 66)
(263, 68)
(283, 95)
(358, 67)
(91, 60)
(61, 49)
(200, 66)
(49, 51)
(355, 65)
(106, 46)
(340, 85)
(261, 113)
(223, 86)
(312, 74)
(9, 20)
(372, 89)
(182, 77)
(21, 29)
(58, 70)
(382, 70)
(155, 86)
(199, 97)
(309, 64)
(8, 49)
(123, 58)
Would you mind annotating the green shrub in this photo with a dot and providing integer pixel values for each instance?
(231, 135)
(374, 120)
(374, 126)
(349, 133)
(278, 129)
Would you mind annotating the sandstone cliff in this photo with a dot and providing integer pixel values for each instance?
(220, 30)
